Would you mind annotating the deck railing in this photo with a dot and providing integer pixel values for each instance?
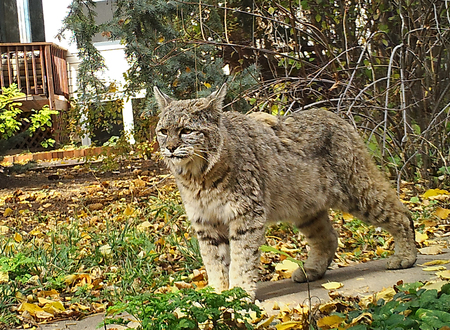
(38, 68)
(40, 71)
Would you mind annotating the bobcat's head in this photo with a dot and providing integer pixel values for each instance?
(188, 132)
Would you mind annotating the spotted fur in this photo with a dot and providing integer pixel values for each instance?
(236, 173)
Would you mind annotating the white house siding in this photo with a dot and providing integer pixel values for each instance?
(112, 51)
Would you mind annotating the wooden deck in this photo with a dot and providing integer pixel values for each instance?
(40, 71)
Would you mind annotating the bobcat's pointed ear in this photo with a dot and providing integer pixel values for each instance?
(216, 98)
(162, 99)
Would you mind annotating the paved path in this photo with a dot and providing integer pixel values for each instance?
(361, 279)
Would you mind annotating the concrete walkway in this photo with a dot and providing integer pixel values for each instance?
(361, 279)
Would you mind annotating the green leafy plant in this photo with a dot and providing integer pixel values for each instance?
(413, 307)
(10, 116)
(190, 309)
(9, 111)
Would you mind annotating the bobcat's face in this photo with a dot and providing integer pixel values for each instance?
(188, 132)
(180, 140)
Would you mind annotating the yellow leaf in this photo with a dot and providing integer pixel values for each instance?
(380, 250)
(442, 213)
(436, 285)
(30, 308)
(4, 230)
(54, 307)
(431, 250)
(143, 226)
(105, 250)
(207, 85)
(35, 232)
(18, 237)
(20, 296)
(435, 262)
(420, 238)
(347, 216)
(329, 307)
(366, 316)
(43, 315)
(265, 323)
(43, 301)
(8, 212)
(288, 325)
(286, 268)
(128, 211)
(69, 279)
(331, 321)
(4, 277)
(434, 268)
(444, 274)
(139, 183)
(50, 293)
(434, 192)
(333, 285)
(385, 294)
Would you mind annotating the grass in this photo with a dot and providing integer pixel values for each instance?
(93, 258)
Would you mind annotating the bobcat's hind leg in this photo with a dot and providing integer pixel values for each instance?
(323, 242)
(392, 216)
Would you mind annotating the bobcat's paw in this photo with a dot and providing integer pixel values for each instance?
(301, 275)
(400, 262)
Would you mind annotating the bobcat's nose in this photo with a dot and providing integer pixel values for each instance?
(171, 148)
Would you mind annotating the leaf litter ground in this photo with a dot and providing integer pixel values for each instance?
(75, 240)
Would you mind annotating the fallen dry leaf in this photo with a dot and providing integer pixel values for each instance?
(4, 230)
(442, 213)
(35, 311)
(435, 262)
(421, 237)
(434, 192)
(331, 321)
(333, 285)
(18, 238)
(105, 250)
(95, 207)
(444, 274)
(386, 294)
(435, 285)
(8, 212)
(432, 250)
(265, 323)
(286, 268)
(347, 216)
(4, 277)
(289, 325)
(434, 268)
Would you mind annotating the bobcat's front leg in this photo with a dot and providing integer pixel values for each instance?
(245, 239)
(215, 250)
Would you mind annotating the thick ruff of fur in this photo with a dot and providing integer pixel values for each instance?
(236, 173)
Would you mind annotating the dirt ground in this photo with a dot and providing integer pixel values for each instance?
(64, 184)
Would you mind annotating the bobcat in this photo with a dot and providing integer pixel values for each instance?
(237, 172)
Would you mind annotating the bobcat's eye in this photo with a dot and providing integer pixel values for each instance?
(163, 131)
(186, 131)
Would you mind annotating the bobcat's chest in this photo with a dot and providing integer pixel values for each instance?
(209, 205)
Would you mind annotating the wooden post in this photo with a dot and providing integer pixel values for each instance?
(49, 72)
